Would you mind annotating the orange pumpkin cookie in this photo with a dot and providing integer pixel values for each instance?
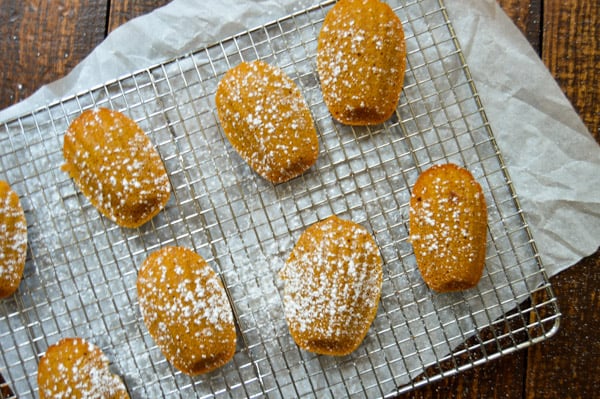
(267, 121)
(361, 61)
(186, 311)
(115, 165)
(75, 368)
(13, 240)
(333, 281)
(448, 224)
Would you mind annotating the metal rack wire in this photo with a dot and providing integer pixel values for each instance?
(81, 268)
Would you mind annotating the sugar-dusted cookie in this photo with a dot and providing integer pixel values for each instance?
(267, 121)
(13, 240)
(448, 225)
(333, 280)
(361, 61)
(75, 368)
(114, 164)
(186, 310)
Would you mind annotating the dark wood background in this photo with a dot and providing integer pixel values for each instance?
(42, 40)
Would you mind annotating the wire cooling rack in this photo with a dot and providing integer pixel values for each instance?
(81, 269)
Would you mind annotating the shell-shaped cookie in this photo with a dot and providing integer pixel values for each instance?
(448, 225)
(333, 280)
(186, 310)
(116, 167)
(361, 61)
(75, 368)
(13, 240)
(267, 121)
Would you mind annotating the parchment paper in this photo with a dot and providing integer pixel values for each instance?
(553, 160)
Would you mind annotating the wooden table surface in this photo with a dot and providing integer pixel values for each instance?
(42, 40)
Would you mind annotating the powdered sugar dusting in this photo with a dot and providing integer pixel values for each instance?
(116, 167)
(332, 286)
(267, 121)
(448, 226)
(185, 307)
(74, 368)
(13, 240)
(361, 61)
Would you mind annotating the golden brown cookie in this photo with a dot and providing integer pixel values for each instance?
(186, 310)
(75, 368)
(361, 61)
(13, 240)
(115, 165)
(448, 224)
(267, 121)
(333, 280)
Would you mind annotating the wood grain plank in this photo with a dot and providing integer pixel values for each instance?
(527, 15)
(568, 365)
(41, 41)
(122, 11)
(501, 378)
(571, 50)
